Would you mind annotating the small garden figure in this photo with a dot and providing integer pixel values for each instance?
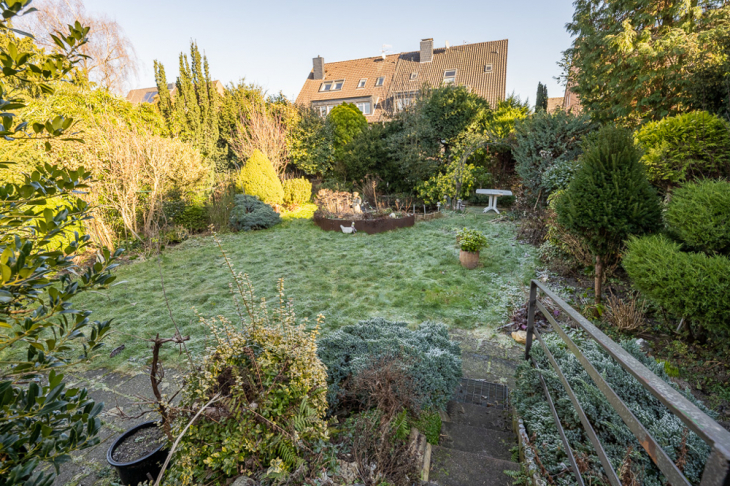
(356, 202)
(471, 243)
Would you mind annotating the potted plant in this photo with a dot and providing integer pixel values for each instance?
(139, 453)
(471, 243)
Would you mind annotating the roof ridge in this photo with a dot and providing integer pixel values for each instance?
(413, 52)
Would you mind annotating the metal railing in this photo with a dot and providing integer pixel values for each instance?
(717, 468)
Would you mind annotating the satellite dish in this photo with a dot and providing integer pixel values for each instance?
(447, 44)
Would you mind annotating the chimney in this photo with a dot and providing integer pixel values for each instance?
(426, 50)
(318, 67)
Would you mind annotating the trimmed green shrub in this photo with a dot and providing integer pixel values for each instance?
(432, 361)
(543, 141)
(249, 213)
(346, 121)
(471, 240)
(691, 285)
(616, 438)
(609, 198)
(297, 192)
(258, 178)
(699, 214)
(685, 147)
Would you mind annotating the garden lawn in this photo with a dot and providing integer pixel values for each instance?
(410, 275)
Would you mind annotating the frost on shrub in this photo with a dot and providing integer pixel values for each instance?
(297, 192)
(269, 395)
(432, 361)
(691, 285)
(699, 214)
(250, 214)
(685, 147)
(669, 431)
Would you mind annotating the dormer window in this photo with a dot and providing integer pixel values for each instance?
(414, 76)
(487, 68)
(380, 81)
(450, 76)
(332, 85)
(361, 83)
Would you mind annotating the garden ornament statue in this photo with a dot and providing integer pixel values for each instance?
(356, 202)
(349, 230)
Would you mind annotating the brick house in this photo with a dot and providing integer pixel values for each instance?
(384, 84)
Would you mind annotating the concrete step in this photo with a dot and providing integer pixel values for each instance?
(478, 440)
(478, 416)
(451, 467)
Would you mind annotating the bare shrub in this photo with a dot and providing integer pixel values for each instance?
(626, 315)
(380, 444)
(263, 129)
(333, 203)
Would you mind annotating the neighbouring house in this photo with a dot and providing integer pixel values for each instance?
(148, 95)
(554, 104)
(571, 101)
(381, 85)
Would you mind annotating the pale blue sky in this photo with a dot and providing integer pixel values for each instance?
(272, 42)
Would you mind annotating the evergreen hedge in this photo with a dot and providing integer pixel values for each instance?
(685, 147)
(258, 178)
(691, 285)
(616, 438)
(297, 192)
(250, 214)
(432, 361)
(699, 214)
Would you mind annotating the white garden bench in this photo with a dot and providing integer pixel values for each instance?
(493, 195)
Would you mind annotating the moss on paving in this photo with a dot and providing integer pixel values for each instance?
(411, 274)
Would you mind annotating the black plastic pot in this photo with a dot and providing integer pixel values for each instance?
(135, 472)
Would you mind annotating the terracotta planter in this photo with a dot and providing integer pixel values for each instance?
(469, 259)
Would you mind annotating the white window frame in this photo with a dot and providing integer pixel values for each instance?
(340, 82)
(380, 81)
(361, 84)
(488, 68)
(361, 105)
(449, 79)
(414, 76)
(326, 86)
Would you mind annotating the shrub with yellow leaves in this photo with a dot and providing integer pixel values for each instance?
(269, 395)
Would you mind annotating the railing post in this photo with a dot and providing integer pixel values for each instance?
(530, 318)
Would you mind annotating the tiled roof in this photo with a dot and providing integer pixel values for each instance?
(554, 104)
(370, 68)
(469, 60)
(147, 95)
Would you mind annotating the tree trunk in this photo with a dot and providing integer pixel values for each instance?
(599, 279)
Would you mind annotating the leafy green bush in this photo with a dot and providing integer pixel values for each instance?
(347, 121)
(691, 285)
(271, 390)
(249, 213)
(439, 186)
(432, 361)
(471, 240)
(189, 213)
(616, 438)
(545, 140)
(609, 198)
(297, 192)
(681, 148)
(699, 214)
(258, 178)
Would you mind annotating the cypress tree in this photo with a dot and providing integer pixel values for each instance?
(609, 198)
(164, 101)
(541, 101)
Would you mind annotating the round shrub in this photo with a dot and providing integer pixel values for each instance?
(699, 214)
(258, 178)
(690, 285)
(431, 360)
(472, 240)
(685, 147)
(249, 213)
(271, 390)
(297, 192)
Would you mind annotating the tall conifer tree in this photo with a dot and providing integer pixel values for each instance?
(541, 101)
